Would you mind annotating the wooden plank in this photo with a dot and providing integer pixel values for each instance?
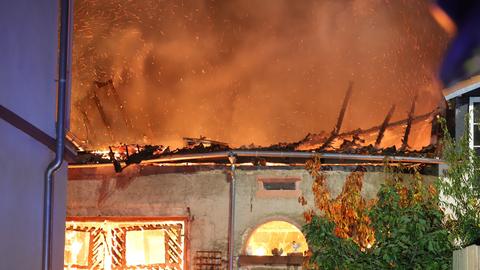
(34, 132)
(244, 260)
(126, 219)
(467, 258)
(411, 113)
(341, 115)
(384, 125)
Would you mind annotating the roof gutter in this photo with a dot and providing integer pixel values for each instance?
(292, 154)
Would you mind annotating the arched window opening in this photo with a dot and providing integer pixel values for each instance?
(276, 238)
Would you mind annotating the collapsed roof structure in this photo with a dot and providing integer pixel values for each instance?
(392, 139)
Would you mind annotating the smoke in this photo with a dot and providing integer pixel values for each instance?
(247, 71)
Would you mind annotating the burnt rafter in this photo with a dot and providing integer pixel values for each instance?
(409, 124)
(384, 126)
(140, 154)
(202, 140)
(110, 87)
(102, 113)
(341, 116)
(415, 119)
(86, 122)
(116, 164)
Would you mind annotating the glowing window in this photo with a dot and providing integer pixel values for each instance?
(280, 235)
(76, 248)
(128, 244)
(145, 247)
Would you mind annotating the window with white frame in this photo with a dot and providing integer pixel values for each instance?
(474, 111)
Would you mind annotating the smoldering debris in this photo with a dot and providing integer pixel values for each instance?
(362, 142)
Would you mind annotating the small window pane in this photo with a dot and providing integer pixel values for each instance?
(279, 186)
(76, 248)
(145, 247)
(477, 150)
(476, 112)
(476, 134)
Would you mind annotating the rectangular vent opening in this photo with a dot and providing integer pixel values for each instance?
(279, 185)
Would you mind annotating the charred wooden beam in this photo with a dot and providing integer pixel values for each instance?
(415, 119)
(37, 134)
(86, 122)
(436, 132)
(409, 125)
(116, 164)
(103, 115)
(384, 126)
(192, 142)
(116, 97)
(341, 115)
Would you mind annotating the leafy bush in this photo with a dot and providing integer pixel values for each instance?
(408, 226)
(460, 187)
(407, 223)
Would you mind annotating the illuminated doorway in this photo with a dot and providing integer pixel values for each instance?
(276, 238)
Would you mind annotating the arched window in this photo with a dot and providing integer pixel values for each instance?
(278, 237)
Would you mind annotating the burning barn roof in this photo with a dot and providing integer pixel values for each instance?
(386, 139)
(151, 72)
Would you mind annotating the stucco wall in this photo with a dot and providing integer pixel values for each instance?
(28, 53)
(207, 195)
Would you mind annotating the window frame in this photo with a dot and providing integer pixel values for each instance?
(262, 192)
(294, 259)
(472, 123)
(127, 223)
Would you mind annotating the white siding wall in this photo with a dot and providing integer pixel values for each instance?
(28, 68)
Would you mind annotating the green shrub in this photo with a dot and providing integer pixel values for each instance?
(460, 187)
(409, 233)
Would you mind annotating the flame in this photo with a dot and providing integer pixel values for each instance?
(246, 73)
(259, 251)
(443, 20)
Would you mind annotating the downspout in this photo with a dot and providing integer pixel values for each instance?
(60, 135)
(231, 225)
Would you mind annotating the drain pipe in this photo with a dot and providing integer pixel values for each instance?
(231, 225)
(60, 135)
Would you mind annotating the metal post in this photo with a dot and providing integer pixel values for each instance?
(231, 225)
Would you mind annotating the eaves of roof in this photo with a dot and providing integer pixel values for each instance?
(462, 87)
